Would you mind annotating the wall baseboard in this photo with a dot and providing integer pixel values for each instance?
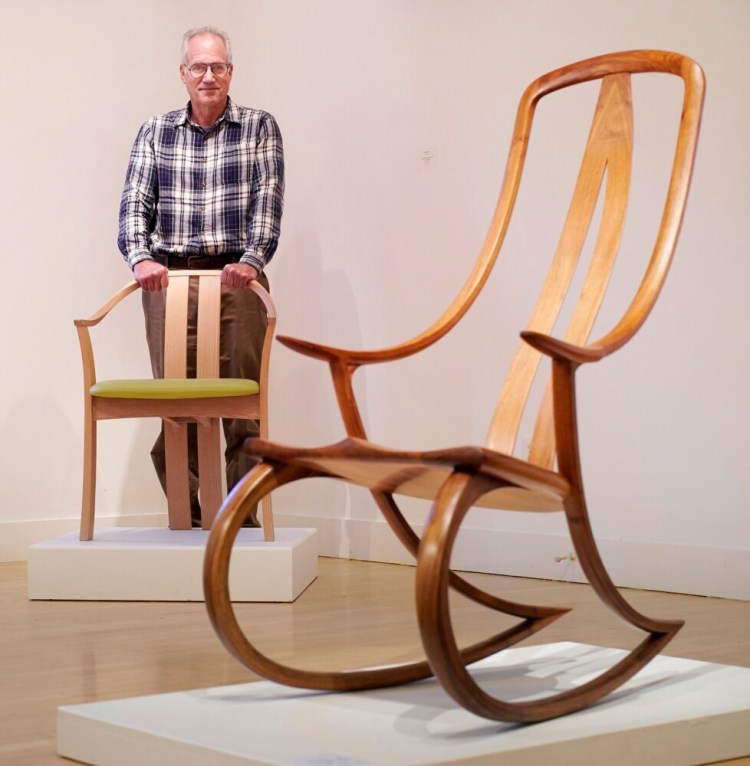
(17, 536)
(695, 570)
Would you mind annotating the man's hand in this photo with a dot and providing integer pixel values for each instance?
(238, 275)
(151, 276)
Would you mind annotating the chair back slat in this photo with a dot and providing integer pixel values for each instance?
(606, 165)
(179, 345)
(208, 333)
(175, 326)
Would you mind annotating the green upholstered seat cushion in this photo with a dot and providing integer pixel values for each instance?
(174, 388)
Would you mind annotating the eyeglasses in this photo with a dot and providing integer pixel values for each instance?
(218, 69)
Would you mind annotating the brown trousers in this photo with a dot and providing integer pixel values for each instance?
(243, 325)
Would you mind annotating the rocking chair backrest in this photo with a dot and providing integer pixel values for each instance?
(606, 163)
(606, 166)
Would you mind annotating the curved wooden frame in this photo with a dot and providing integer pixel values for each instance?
(176, 413)
(459, 478)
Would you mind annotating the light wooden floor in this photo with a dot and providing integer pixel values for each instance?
(355, 613)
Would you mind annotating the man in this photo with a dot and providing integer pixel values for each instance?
(204, 189)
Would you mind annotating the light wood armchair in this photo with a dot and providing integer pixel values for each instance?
(549, 478)
(177, 399)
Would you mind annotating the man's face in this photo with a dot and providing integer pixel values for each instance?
(208, 91)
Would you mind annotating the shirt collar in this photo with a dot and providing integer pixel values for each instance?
(231, 114)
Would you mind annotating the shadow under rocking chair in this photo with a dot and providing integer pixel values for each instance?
(550, 477)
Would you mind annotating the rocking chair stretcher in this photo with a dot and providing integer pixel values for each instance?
(456, 479)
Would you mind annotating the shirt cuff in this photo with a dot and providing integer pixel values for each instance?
(252, 260)
(137, 257)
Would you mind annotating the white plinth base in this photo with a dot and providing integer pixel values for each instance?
(677, 712)
(128, 564)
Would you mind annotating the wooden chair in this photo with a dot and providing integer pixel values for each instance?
(549, 478)
(177, 399)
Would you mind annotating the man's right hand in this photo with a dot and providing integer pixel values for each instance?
(151, 276)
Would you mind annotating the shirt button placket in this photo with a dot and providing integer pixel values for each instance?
(204, 184)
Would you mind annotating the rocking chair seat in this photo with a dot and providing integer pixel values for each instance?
(520, 486)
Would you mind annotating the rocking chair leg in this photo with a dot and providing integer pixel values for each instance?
(576, 513)
(263, 479)
(411, 541)
(598, 577)
(457, 495)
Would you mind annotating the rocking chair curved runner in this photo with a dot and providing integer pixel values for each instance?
(550, 477)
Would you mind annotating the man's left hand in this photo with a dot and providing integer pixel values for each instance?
(238, 275)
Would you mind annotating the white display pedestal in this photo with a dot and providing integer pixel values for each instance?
(148, 564)
(675, 711)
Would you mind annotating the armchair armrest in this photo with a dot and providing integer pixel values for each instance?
(266, 299)
(108, 306)
(84, 337)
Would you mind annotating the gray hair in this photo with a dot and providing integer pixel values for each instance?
(209, 30)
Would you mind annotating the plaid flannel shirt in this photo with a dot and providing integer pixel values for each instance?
(195, 191)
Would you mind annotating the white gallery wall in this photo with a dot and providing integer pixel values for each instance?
(396, 116)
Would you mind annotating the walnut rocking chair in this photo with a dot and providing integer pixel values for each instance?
(548, 479)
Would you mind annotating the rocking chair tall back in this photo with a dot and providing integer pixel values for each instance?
(178, 399)
(548, 479)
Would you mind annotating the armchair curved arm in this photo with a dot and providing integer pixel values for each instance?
(108, 306)
(265, 357)
(84, 338)
(266, 298)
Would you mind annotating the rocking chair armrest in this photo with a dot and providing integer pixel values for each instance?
(560, 349)
(347, 356)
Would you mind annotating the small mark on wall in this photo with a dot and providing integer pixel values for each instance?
(427, 157)
(566, 557)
